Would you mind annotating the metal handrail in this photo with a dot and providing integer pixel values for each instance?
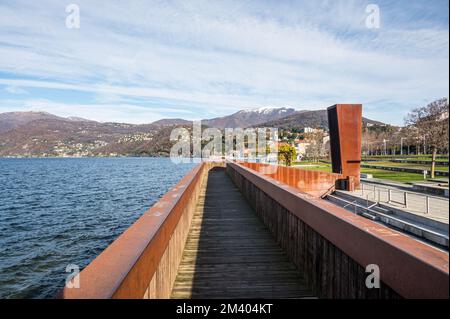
(408, 192)
(390, 192)
(379, 214)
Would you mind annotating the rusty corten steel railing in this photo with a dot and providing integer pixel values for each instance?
(330, 245)
(143, 261)
(333, 246)
(315, 183)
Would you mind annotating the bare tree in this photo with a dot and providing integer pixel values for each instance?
(409, 136)
(431, 122)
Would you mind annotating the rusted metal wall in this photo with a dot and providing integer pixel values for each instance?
(331, 246)
(345, 124)
(315, 183)
(143, 261)
(160, 286)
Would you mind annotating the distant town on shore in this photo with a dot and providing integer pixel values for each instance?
(41, 134)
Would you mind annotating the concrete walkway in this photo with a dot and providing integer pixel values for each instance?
(438, 207)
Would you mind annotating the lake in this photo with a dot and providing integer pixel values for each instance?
(60, 211)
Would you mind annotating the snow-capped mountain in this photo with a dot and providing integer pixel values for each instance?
(250, 117)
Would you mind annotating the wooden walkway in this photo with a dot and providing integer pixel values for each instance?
(229, 252)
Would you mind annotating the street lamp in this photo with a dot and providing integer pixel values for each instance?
(384, 141)
(401, 145)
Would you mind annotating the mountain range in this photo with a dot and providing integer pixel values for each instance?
(250, 117)
(36, 134)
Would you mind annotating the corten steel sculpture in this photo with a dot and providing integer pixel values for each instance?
(345, 124)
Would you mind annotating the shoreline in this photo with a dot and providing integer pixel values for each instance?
(74, 157)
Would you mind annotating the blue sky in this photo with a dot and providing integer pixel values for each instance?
(140, 61)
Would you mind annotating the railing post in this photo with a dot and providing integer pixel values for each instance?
(389, 195)
(406, 199)
(428, 204)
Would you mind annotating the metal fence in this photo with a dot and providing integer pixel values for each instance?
(422, 203)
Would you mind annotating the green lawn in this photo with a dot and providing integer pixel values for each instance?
(407, 157)
(313, 166)
(393, 176)
(377, 173)
(408, 165)
(308, 163)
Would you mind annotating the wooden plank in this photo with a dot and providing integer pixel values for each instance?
(229, 253)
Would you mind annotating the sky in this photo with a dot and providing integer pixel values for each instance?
(140, 61)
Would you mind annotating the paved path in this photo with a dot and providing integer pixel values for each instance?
(438, 207)
(230, 253)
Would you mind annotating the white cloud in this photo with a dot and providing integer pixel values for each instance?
(125, 113)
(15, 90)
(224, 56)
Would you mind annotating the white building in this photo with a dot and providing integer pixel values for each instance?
(300, 147)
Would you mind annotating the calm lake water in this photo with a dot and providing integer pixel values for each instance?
(55, 212)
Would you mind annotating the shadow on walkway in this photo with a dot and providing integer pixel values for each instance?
(229, 252)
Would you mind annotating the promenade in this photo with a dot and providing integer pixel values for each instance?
(237, 229)
(424, 205)
(230, 253)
